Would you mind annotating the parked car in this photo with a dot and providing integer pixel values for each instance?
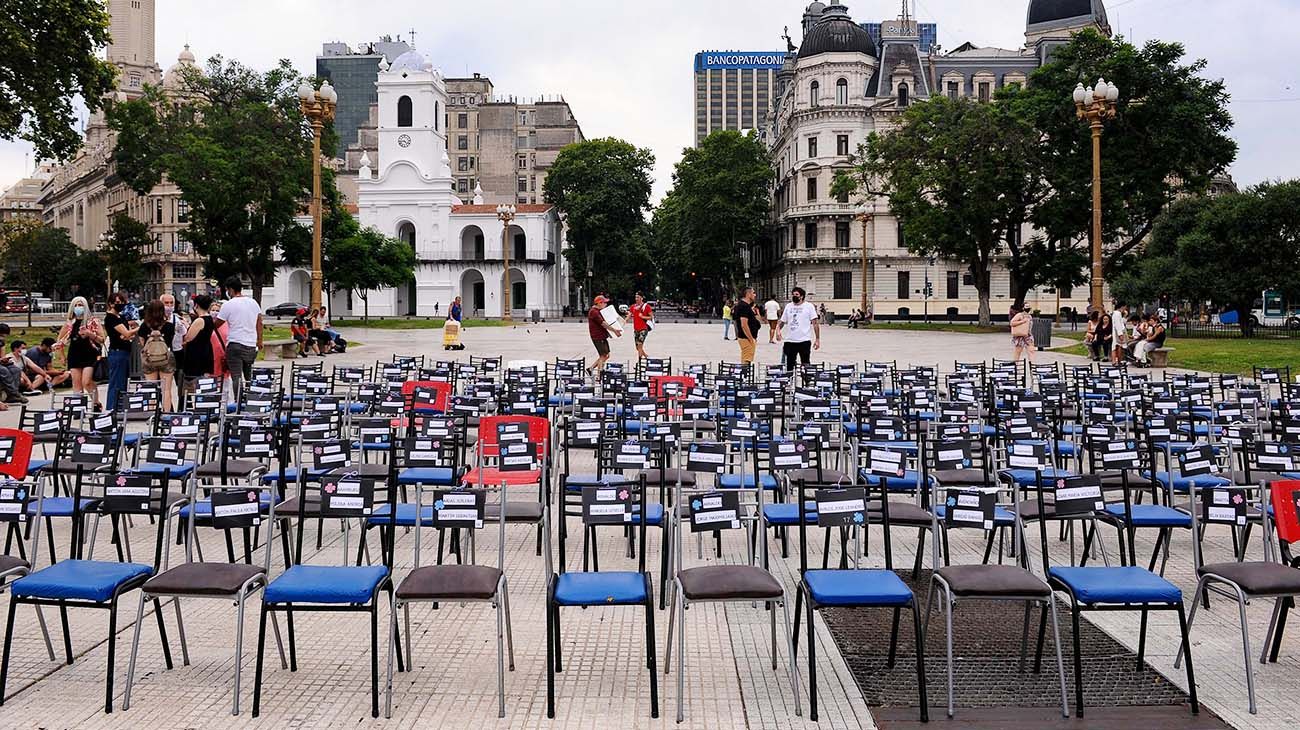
(285, 309)
(44, 304)
(16, 304)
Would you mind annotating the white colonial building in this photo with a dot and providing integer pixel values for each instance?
(458, 245)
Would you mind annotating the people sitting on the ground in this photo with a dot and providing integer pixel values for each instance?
(39, 362)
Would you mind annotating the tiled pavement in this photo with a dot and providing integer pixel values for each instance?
(730, 681)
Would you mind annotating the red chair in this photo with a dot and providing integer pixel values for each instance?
(441, 395)
(15, 453)
(657, 383)
(539, 433)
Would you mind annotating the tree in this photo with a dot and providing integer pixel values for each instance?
(720, 201)
(961, 176)
(127, 239)
(236, 143)
(602, 186)
(49, 53)
(37, 257)
(1168, 140)
(366, 261)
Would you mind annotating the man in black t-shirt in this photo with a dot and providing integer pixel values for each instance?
(747, 324)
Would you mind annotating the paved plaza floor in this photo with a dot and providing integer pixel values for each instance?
(729, 679)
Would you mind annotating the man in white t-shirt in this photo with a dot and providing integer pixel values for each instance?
(772, 311)
(800, 329)
(243, 318)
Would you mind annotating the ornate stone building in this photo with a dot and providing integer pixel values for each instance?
(835, 90)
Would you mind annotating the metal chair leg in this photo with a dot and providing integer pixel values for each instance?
(920, 663)
(1187, 647)
(135, 650)
(1060, 661)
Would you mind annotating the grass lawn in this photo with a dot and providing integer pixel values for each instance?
(418, 324)
(1224, 356)
(968, 329)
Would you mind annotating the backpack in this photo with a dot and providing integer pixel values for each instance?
(156, 352)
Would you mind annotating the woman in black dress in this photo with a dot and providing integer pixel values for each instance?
(198, 342)
(82, 337)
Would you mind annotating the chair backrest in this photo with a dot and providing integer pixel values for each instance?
(614, 505)
(1072, 497)
(539, 430)
(15, 453)
(427, 395)
(842, 507)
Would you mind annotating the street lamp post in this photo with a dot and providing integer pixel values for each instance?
(104, 238)
(591, 261)
(318, 106)
(506, 214)
(1096, 105)
(863, 215)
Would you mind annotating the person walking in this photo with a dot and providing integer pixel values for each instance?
(800, 328)
(158, 363)
(456, 310)
(773, 311)
(726, 320)
(180, 321)
(599, 330)
(643, 322)
(243, 316)
(747, 324)
(82, 338)
(200, 358)
(1022, 334)
(121, 331)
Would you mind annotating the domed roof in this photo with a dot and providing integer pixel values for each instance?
(174, 78)
(411, 61)
(835, 32)
(814, 8)
(1058, 12)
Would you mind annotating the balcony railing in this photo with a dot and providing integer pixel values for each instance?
(809, 209)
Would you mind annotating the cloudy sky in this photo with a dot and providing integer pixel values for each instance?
(625, 67)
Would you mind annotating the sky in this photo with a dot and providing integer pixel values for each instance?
(626, 67)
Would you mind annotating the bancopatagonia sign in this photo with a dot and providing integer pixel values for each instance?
(739, 59)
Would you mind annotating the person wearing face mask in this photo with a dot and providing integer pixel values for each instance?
(81, 338)
(180, 323)
(121, 331)
(800, 329)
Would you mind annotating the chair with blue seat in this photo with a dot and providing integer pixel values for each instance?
(720, 511)
(90, 452)
(856, 587)
(975, 508)
(427, 456)
(97, 584)
(239, 507)
(810, 470)
(15, 494)
(335, 587)
(593, 589)
(454, 509)
(1124, 587)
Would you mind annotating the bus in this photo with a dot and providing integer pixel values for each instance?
(1270, 310)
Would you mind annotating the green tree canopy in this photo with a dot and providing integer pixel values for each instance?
(49, 53)
(127, 239)
(1223, 251)
(368, 260)
(35, 257)
(961, 177)
(720, 201)
(236, 143)
(602, 186)
(1169, 139)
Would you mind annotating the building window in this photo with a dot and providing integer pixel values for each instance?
(812, 147)
(986, 90)
(523, 162)
(813, 90)
(521, 247)
(479, 250)
(406, 233)
(812, 190)
(842, 145)
(462, 142)
(954, 280)
(182, 211)
(157, 210)
(404, 112)
(810, 235)
(841, 237)
(954, 90)
(184, 271)
(532, 183)
(904, 285)
(903, 95)
(902, 242)
(462, 120)
(462, 185)
(523, 184)
(842, 92)
(843, 285)
(462, 164)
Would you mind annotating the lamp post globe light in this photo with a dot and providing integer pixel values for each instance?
(318, 106)
(506, 214)
(1096, 105)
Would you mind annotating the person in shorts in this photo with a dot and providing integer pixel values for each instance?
(772, 312)
(643, 316)
(599, 330)
(747, 324)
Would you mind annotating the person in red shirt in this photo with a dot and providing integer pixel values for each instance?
(643, 317)
(599, 330)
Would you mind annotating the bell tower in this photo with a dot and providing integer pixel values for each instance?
(132, 47)
(412, 116)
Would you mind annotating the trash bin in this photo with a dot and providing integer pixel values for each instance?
(1042, 331)
(537, 316)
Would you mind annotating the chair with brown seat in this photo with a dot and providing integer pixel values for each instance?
(451, 508)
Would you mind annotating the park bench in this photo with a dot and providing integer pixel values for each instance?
(280, 349)
(1159, 358)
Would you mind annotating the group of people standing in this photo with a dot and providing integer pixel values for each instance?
(1119, 335)
(797, 326)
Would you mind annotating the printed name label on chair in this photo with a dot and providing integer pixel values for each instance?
(234, 508)
(715, 511)
(706, 456)
(459, 508)
(789, 455)
(14, 497)
(127, 494)
(1027, 456)
(1224, 506)
(347, 495)
(970, 508)
(841, 507)
(1078, 495)
(606, 505)
(1197, 461)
